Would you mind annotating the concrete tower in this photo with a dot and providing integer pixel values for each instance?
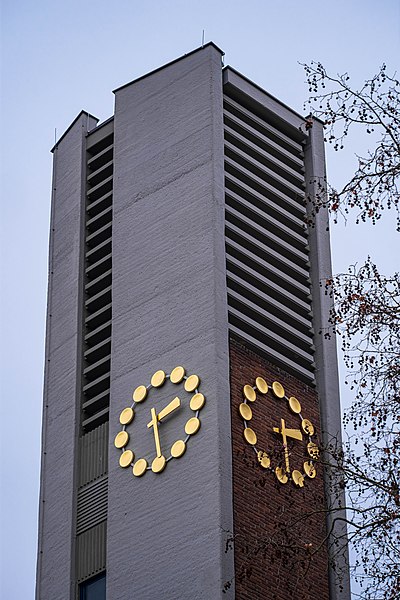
(187, 384)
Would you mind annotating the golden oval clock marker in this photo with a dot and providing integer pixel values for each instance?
(309, 469)
(158, 379)
(278, 389)
(250, 436)
(192, 426)
(158, 464)
(140, 393)
(249, 393)
(298, 478)
(262, 385)
(245, 411)
(197, 402)
(121, 439)
(295, 405)
(281, 475)
(192, 383)
(307, 427)
(139, 468)
(126, 416)
(177, 375)
(178, 449)
(263, 459)
(313, 450)
(126, 459)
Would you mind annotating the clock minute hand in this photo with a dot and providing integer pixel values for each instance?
(153, 423)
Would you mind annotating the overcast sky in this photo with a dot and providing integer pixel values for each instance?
(59, 57)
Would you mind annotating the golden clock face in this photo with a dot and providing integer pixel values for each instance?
(166, 413)
(287, 423)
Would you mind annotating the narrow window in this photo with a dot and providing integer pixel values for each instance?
(93, 589)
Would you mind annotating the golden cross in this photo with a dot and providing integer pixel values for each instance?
(293, 433)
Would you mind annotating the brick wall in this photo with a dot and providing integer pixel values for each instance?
(277, 528)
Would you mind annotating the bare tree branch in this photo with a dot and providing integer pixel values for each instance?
(366, 318)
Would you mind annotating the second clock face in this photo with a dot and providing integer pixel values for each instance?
(157, 425)
(286, 444)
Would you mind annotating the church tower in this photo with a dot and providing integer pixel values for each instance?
(188, 386)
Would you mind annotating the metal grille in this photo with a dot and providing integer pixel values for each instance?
(267, 259)
(91, 524)
(91, 551)
(97, 293)
(93, 454)
(92, 505)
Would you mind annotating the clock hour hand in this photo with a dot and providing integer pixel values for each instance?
(173, 405)
(293, 433)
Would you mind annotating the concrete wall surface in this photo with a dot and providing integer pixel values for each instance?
(167, 532)
(55, 570)
(326, 374)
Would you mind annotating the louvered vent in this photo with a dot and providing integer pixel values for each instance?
(91, 516)
(97, 297)
(91, 552)
(93, 455)
(266, 242)
(92, 505)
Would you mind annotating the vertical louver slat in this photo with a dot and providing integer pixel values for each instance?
(93, 454)
(268, 280)
(91, 551)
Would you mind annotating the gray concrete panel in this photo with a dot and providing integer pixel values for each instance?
(56, 509)
(177, 233)
(326, 374)
(167, 532)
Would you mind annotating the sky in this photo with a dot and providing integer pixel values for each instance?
(59, 57)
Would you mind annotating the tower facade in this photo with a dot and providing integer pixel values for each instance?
(188, 386)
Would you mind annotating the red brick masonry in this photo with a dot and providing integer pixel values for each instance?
(277, 528)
